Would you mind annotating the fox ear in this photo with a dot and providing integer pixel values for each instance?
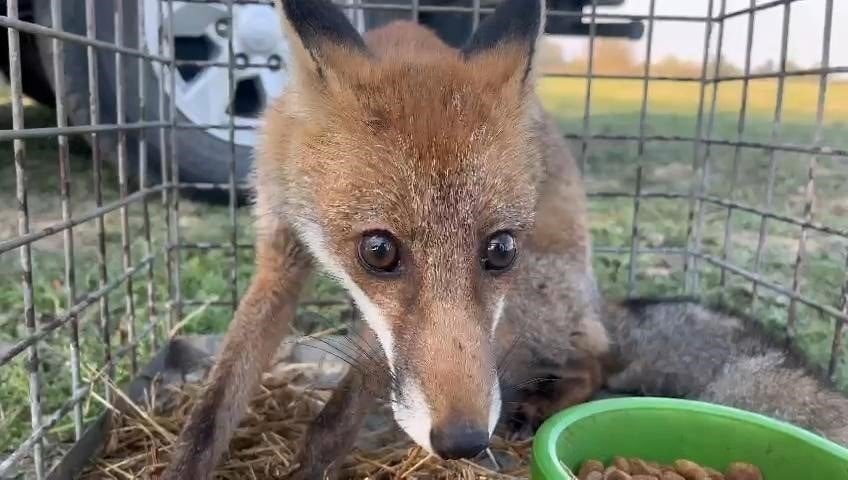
(319, 35)
(511, 35)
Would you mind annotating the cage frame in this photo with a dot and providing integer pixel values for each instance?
(163, 314)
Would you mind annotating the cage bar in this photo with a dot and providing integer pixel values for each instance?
(32, 363)
(231, 86)
(97, 181)
(174, 197)
(123, 187)
(587, 100)
(740, 132)
(65, 188)
(152, 318)
(164, 116)
(836, 347)
(772, 169)
(643, 112)
(809, 191)
(699, 182)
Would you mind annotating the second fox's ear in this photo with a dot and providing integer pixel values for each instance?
(510, 36)
(319, 35)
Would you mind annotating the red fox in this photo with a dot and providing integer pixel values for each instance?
(430, 182)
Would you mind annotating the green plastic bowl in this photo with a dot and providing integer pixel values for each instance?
(663, 430)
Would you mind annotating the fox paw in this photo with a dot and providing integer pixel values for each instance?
(524, 422)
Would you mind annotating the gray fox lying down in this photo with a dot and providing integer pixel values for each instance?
(678, 348)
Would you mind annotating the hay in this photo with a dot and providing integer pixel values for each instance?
(140, 443)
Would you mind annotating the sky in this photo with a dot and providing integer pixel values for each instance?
(686, 39)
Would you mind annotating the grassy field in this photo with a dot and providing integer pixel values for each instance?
(667, 97)
(611, 167)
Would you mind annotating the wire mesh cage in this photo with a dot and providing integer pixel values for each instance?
(126, 135)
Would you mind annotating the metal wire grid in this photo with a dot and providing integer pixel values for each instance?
(168, 312)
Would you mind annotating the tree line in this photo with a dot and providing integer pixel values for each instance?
(618, 57)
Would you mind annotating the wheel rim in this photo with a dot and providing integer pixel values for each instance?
(201, 33)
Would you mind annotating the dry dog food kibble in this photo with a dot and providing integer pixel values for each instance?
(637, 469)
(715, 474)
(641, 467)
(590, 466)
(742, 471)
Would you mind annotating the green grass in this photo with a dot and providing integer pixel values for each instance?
(611, 166)
(673, 97)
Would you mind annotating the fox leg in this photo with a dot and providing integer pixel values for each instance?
(262, 318)
(333, 433)
(552, 340)
(554, 390)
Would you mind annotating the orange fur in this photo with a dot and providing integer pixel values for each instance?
(441, 168)
(441, 148)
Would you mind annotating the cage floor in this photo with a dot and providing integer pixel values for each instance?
(140, 441)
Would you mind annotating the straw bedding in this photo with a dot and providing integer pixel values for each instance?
(140, 443)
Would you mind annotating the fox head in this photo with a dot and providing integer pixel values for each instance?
(408, 170)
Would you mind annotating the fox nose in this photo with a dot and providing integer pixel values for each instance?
(459, 440)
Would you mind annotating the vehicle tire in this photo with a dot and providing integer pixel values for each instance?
(35, 83)
(202, 157)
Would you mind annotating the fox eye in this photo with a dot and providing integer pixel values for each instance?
(499, 252)
(378, 252)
